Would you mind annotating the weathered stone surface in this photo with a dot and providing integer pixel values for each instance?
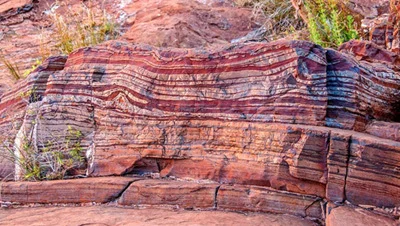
(373, 172)
(383, 28)
(261, 199)
(343, 215)
(359, 91)
(369, 51)
(99, 190)
(385, 130)
(16, 116)
(231, 115)
(368, 8)
(106, 215)
(27, 28)
(183, 194)
(188, 24)
(6, 5)
(337, 164)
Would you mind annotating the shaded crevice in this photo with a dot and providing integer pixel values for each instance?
(216, 197)
(328, 150)
(347, 167)
(119, 195)
(312, 204)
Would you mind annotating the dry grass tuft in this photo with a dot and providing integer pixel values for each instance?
(82, 27)
(280, 16)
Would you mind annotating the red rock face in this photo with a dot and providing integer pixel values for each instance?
(344, 215)
(383, 27)
(6, 5)
(188, 195)
(187, 24)
(98, 190)
(173, 23)
(16, 115)
(254, 114)
(253, 198)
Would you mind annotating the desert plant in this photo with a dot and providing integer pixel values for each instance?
(11, 67)
(328, 25)
(280, 16)
(49, 160)
(84, 27)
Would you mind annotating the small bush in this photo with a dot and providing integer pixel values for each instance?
(48, 161)
(328, 25)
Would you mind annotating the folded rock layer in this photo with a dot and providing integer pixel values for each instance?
(288, 115)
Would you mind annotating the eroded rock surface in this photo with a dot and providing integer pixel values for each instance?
(26, 28)
(97, 190)
(288, 115)
(282, 128)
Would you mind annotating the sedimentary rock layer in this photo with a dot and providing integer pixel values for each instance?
(98, 190)
(183, 194)
(345, 215)
(254, 198)
(16, 111)
(255, 114)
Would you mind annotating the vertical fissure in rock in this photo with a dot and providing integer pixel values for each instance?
(216, 196)
(97, 76)
(347, 167)
(328, 150)
(309, 206)
(119, 195)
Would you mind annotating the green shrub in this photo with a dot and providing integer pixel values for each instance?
(50, 160)
(328, 25)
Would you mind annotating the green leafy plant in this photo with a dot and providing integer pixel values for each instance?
(328, 25)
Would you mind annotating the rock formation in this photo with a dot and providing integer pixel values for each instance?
(25, 26)
(288, 116)
(286, 127)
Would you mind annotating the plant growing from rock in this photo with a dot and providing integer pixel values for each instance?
(280, 16)
(11, 67)
(84, 27)
(46, 161)
(327, 24)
